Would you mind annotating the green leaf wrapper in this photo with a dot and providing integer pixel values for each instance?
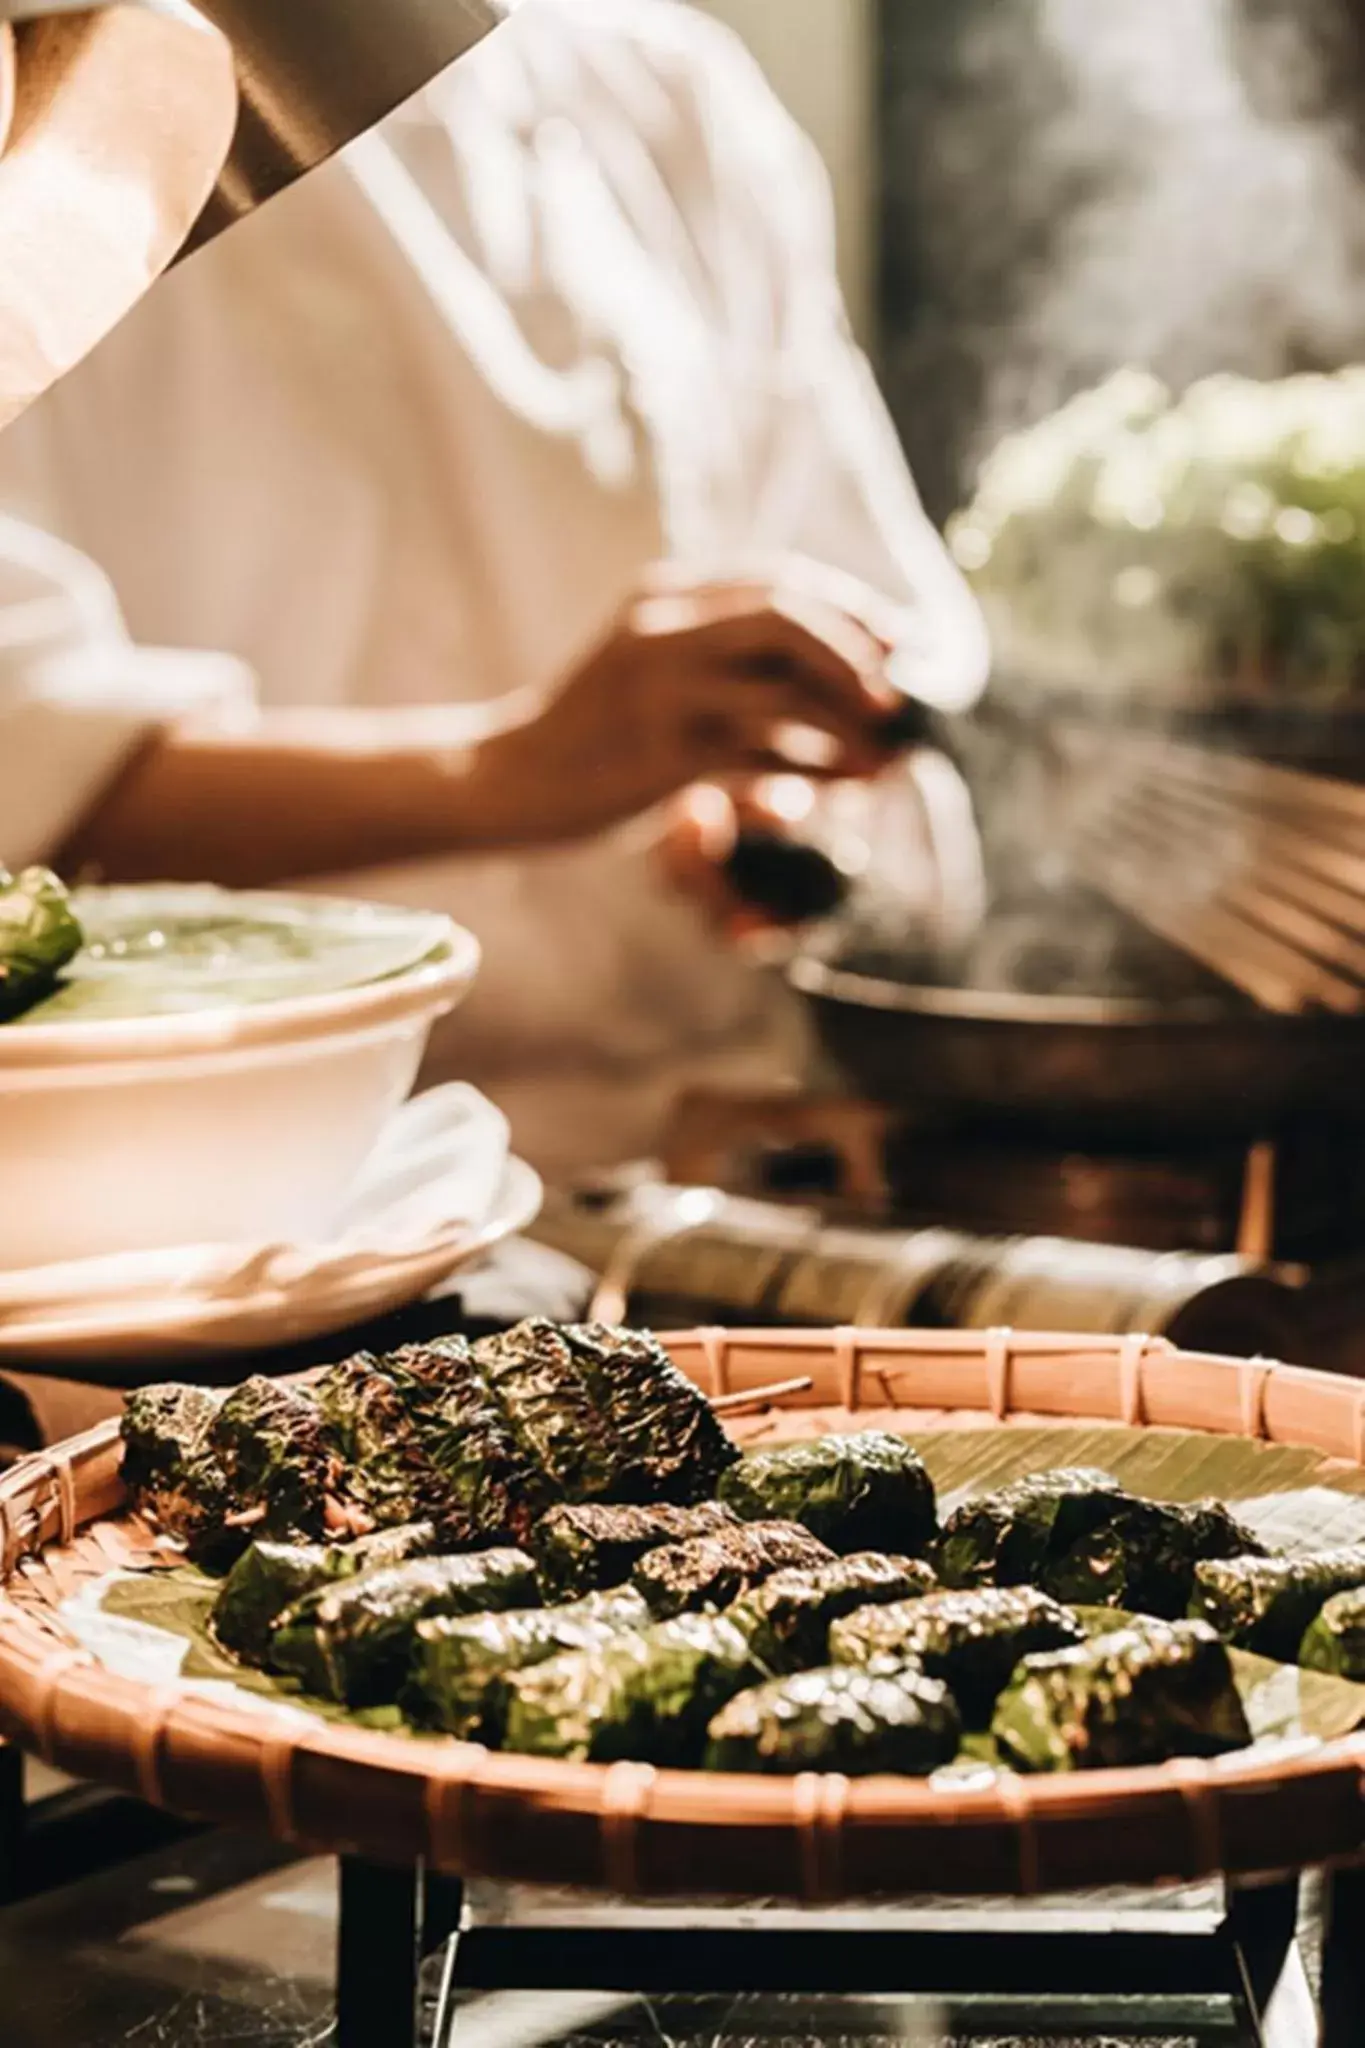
(271, 1577)
(972, 1640)
(1140, 1696)
(1008, 1537)
(39, 935)
(1267, 1603)
(648, 1695)
(1335, 1642)
(787, 1619)
(849, 1721)
(713, 1571)
(586, 1549)
(354, 1642)
(462, 1665)
(863, 1492)
(1144, 1559)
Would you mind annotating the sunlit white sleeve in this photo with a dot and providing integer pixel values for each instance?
(76, 696)
(828, 477)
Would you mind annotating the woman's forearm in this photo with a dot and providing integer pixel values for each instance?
(296, 795)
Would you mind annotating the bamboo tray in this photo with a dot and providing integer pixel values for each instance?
(634, 1830)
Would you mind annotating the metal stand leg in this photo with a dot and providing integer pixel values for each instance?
(1262, 1924)
(391, 1920)
(377, 1956)
(1343, 1960)
(444, 1915)
(11, 1822)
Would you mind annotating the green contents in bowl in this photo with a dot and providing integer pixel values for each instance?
(39, 935)
(170, 948)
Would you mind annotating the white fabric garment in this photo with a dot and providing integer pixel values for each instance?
(412, 432)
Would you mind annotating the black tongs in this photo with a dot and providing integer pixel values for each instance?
(796, 883)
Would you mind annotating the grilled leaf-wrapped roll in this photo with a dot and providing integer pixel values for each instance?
(669, 1444)
(285, 1471)
(266, 1579)
(462, 1665)
(713, 1571)
(1143, 1560)
(499, 1485)
(1006, 1538)
(1335, 1642)
(584, 1549)
(393, 1475)
(163, 1430)
(1138, 1696)
(647, 1695)
(550, 1408)
(971, 1640)
(430, 1439)
(271, 1577)
(787, 1619)
(353, 1642)
(1267, 1603)
(838, 1719)
(863, 1492)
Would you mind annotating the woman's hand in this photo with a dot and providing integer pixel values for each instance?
(699, 682)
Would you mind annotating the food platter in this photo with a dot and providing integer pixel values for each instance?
(1026, 1399)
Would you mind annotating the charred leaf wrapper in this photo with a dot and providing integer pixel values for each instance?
(586, 1549)
(850, 1721)
(972, 1641)
(427, 1441)
(1139, 1696)
(865, 1492)
(606, 1413)
(1335, 1642)
(787, 1619)
(163, 1429)
(713, 1571)
(480, 1442)
(1144, 1559)
(1267, 1604)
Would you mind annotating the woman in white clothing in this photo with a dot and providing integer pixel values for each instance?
(411, 446)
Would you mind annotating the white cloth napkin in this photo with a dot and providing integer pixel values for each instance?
(432, 1179)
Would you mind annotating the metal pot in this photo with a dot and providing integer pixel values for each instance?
(1131, 1069)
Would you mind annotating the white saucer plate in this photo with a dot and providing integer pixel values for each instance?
(439, 1192)
(330, 1298)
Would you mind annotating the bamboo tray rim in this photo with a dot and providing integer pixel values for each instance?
(334, 1786)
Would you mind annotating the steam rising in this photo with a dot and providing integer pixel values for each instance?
(1078, 185)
